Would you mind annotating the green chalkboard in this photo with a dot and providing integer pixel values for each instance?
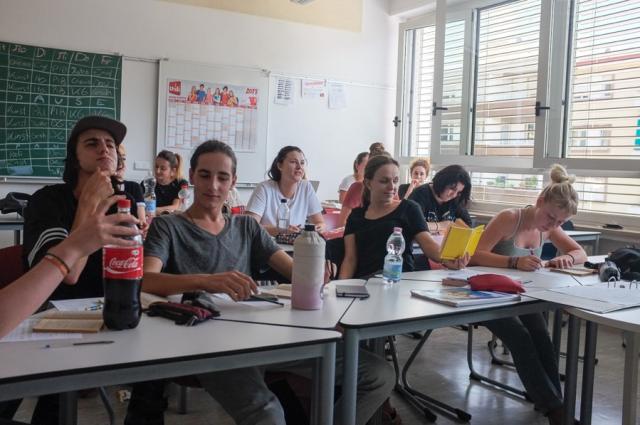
(43, 92)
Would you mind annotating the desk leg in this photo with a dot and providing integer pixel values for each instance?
(350, 378)
(571, 372)
(630, 389)
(16, 237)
(69, 408)
(323, 395)
(556, 336)
(588, 370)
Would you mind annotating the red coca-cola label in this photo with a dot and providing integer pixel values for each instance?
(122, 263)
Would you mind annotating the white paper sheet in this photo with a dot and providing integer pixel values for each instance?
(80, 304)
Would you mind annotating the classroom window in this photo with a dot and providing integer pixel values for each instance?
(604, 81)
(609, 195)
(418, 88)
(510, 189)
(451, 118)
(506, 79)
(529, 83)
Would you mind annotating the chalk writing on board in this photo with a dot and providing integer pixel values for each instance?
(43, 92)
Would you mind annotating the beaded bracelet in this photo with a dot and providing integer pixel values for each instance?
(58, 262)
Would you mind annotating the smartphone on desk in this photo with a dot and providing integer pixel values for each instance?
(352, 291)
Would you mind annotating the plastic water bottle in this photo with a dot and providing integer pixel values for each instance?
(392, 270)
(184, 197)
(150, 198)
(308, 270)
(283, 216)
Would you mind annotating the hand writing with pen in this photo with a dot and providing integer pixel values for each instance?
(529, 263)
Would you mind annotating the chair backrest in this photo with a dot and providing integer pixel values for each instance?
(331, 220)
(11, 266)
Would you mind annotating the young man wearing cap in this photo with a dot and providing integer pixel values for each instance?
(57, 210)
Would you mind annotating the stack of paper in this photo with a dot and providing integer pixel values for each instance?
(599, 298)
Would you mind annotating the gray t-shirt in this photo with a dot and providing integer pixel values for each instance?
(185, 248)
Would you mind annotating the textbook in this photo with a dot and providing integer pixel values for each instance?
(460, 240)
(460, 297)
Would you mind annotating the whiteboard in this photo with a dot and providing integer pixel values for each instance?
(252, 155)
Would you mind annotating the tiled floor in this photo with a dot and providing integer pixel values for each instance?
(441, 370)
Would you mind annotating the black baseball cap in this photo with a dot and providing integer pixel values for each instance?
(113, 127)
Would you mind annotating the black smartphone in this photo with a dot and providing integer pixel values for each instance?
(352, 291)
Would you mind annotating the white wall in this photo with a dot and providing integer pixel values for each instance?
(157, 29)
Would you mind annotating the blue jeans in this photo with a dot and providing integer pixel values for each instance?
(534, 356)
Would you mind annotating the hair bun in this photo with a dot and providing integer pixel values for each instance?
(559, 174)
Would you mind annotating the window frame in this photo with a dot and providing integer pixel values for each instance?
(551, 126)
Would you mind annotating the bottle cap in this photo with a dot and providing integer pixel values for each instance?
(310, 227)
(124, 203)
(184, 186)
(397, 229)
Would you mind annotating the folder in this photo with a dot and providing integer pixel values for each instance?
(460, 240)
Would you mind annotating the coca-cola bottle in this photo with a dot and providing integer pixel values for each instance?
(122, 280)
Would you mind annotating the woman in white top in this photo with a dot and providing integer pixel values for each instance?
(357, 176)
(286, 181)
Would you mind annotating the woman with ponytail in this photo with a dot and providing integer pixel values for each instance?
(369, 226)
(169, 180)
(514, 239)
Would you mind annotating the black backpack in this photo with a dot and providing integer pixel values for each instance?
(628, 261)
(14, 202)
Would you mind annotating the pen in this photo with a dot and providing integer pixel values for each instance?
(75, 344)
(532, 252)
(269, 300)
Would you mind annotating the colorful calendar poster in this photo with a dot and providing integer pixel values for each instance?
(200, 110)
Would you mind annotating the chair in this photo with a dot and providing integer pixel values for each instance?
(331, 219)
(11, 268)
(548, 250)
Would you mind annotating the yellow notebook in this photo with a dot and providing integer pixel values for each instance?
(460, 240)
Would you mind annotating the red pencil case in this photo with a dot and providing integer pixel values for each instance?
(495, 282)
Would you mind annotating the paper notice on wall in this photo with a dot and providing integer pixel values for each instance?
(337, 96)
(284, 91)
(313, 89)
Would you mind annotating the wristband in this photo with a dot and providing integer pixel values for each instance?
(58, 262)
(573, 260)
